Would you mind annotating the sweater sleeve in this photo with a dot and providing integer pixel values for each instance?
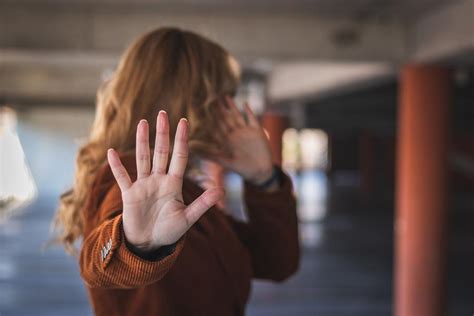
(271, 233)
(106, 261)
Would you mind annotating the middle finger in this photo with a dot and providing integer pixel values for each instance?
(142, 150)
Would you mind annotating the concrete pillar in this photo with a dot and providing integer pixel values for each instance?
(420, 254)
(275, 124)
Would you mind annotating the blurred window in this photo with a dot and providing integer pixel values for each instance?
(17, 186)
(314, 149)
(291, 149)
(306, 149)
(305, 155)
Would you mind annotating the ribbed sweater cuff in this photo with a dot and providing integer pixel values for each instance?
(128, 268)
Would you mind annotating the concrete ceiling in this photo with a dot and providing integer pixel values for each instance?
(305, 48)
(291, 80)
(327, 8)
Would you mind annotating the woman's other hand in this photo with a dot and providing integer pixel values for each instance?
(251, 153)
(154, 213)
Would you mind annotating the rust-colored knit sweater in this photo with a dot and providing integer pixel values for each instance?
(210, 269)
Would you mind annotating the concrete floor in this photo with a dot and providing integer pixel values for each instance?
(346, 267)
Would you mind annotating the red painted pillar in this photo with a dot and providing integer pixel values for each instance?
(275, 125)
(420, 254)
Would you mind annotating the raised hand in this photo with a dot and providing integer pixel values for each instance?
(154, 213)
(251, 153)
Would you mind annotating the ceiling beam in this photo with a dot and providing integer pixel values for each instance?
(443, 34)
(249, 35)
(51, 77)
(59, 53)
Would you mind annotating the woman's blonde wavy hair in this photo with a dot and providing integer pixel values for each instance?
(167, 69)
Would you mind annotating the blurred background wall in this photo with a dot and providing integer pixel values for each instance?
(328, 79)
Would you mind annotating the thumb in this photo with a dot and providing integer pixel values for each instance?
(204, 202)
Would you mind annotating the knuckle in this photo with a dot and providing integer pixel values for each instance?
(143, 156)
(161, 150)
(121, 175)
(177, 176)
(204, 203)
(159, 170)
(182, 155)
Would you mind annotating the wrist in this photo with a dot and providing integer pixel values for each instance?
(262, 176)
(136, 246)
(139, 249)
(272, 183)
(151, 254)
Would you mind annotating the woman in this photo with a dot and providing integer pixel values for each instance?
(154, 243)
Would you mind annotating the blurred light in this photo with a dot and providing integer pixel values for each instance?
(256, 96)
(305, 150)
(17, 187)
(253, 92)
(290, 152)
(312, 197)
(314, 149)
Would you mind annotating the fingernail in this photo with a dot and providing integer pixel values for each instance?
(110, 153)
(143, 121)
(161, 124)
(184, 129)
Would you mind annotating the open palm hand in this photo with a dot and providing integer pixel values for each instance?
(154, 213)
(251, 153)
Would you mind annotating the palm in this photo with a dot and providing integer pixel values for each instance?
(154, 213)
(249, 144)
(157, 208)
(251, 153)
